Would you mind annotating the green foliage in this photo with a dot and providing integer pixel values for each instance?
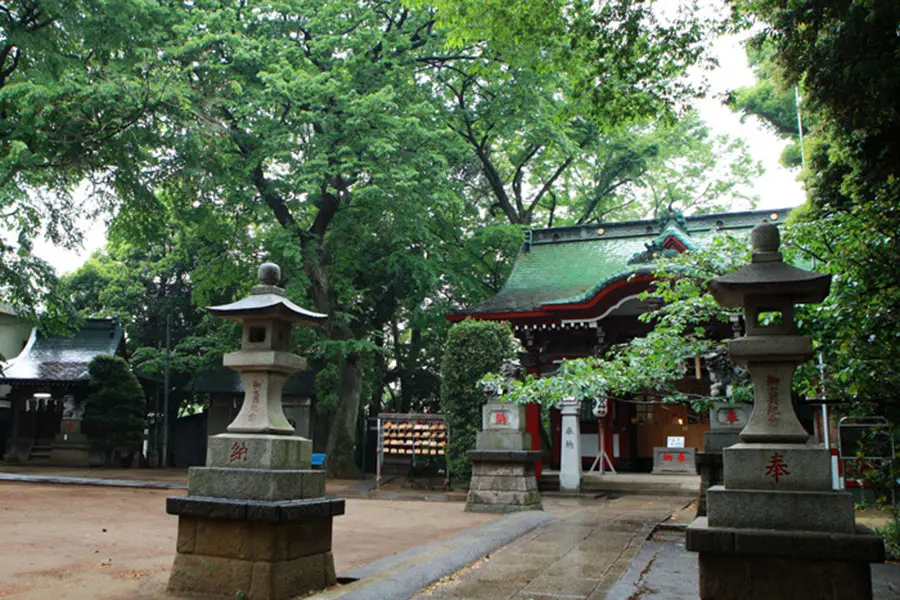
(114, 415)
(773, 101)
(849, 228)
(890, 534)
(77, 80)
(354, 142)
(473, 349)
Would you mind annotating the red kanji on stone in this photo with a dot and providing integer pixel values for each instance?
(667, 457)
(70, 425)
(500, 418)
(238, 452)
(681, 457)
(731, 417)
(777, 468)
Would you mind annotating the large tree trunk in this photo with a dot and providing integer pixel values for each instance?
(341, 445)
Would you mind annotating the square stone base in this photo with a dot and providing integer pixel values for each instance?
(680, 461)
(256, 484)
(70, 455)
(749, 564)
(806, 467)
(276, 553)
(503, 486)
(752, 578)
(258, 451)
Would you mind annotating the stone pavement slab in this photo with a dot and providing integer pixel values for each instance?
(579, 556)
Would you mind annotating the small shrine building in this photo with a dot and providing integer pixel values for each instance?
(50, 368)
(574, 291)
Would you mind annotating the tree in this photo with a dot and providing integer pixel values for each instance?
(76, 91)
(325, 130)
(773, 101)
(114, 415)
(844, 56)
(554, 108)
(473, 349)
(310, 118)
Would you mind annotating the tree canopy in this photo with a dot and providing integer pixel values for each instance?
(384, 153)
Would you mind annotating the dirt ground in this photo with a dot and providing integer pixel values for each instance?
(83, 542)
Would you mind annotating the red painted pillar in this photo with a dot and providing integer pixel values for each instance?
(533, 426)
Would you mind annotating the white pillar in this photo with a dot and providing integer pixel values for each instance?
(570, 453)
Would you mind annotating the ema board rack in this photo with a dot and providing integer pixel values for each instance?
(414, 436)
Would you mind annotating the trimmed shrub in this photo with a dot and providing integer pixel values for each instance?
(473, 349)
(114, 416)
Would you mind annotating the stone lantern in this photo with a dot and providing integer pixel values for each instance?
(256, 521)
(768, 289)
(776, 529)
(263, 361)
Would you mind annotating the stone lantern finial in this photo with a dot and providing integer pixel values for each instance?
(765, 239)
(269, 274)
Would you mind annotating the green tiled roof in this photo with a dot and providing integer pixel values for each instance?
(571, 264)
(60, 358)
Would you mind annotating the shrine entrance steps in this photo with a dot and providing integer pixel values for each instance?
(623, 484)
(40, 451)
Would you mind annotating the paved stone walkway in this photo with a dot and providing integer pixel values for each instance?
(579, 556)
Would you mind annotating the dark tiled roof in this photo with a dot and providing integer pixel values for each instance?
(223, 380)
(571, 264)
(59, 358)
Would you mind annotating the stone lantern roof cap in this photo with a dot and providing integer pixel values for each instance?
(267, 300)
(768, 276)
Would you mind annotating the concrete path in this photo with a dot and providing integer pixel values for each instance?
(579, 556)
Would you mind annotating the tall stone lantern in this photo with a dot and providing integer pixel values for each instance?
(776, 529)
(256, 521)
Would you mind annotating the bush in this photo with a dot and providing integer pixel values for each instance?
(890, 535)
(114, 416)
(473, 349)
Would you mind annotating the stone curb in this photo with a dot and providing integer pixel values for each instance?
(128, 483)
(404, 574)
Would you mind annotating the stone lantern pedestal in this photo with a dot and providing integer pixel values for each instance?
(256, 521)
(776, 529)
(71, 448)
(503, 473)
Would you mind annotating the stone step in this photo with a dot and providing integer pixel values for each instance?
(629, 483)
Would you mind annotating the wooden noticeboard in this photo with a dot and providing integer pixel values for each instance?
(411, 435)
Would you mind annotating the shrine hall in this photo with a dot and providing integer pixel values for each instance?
(575, 291)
